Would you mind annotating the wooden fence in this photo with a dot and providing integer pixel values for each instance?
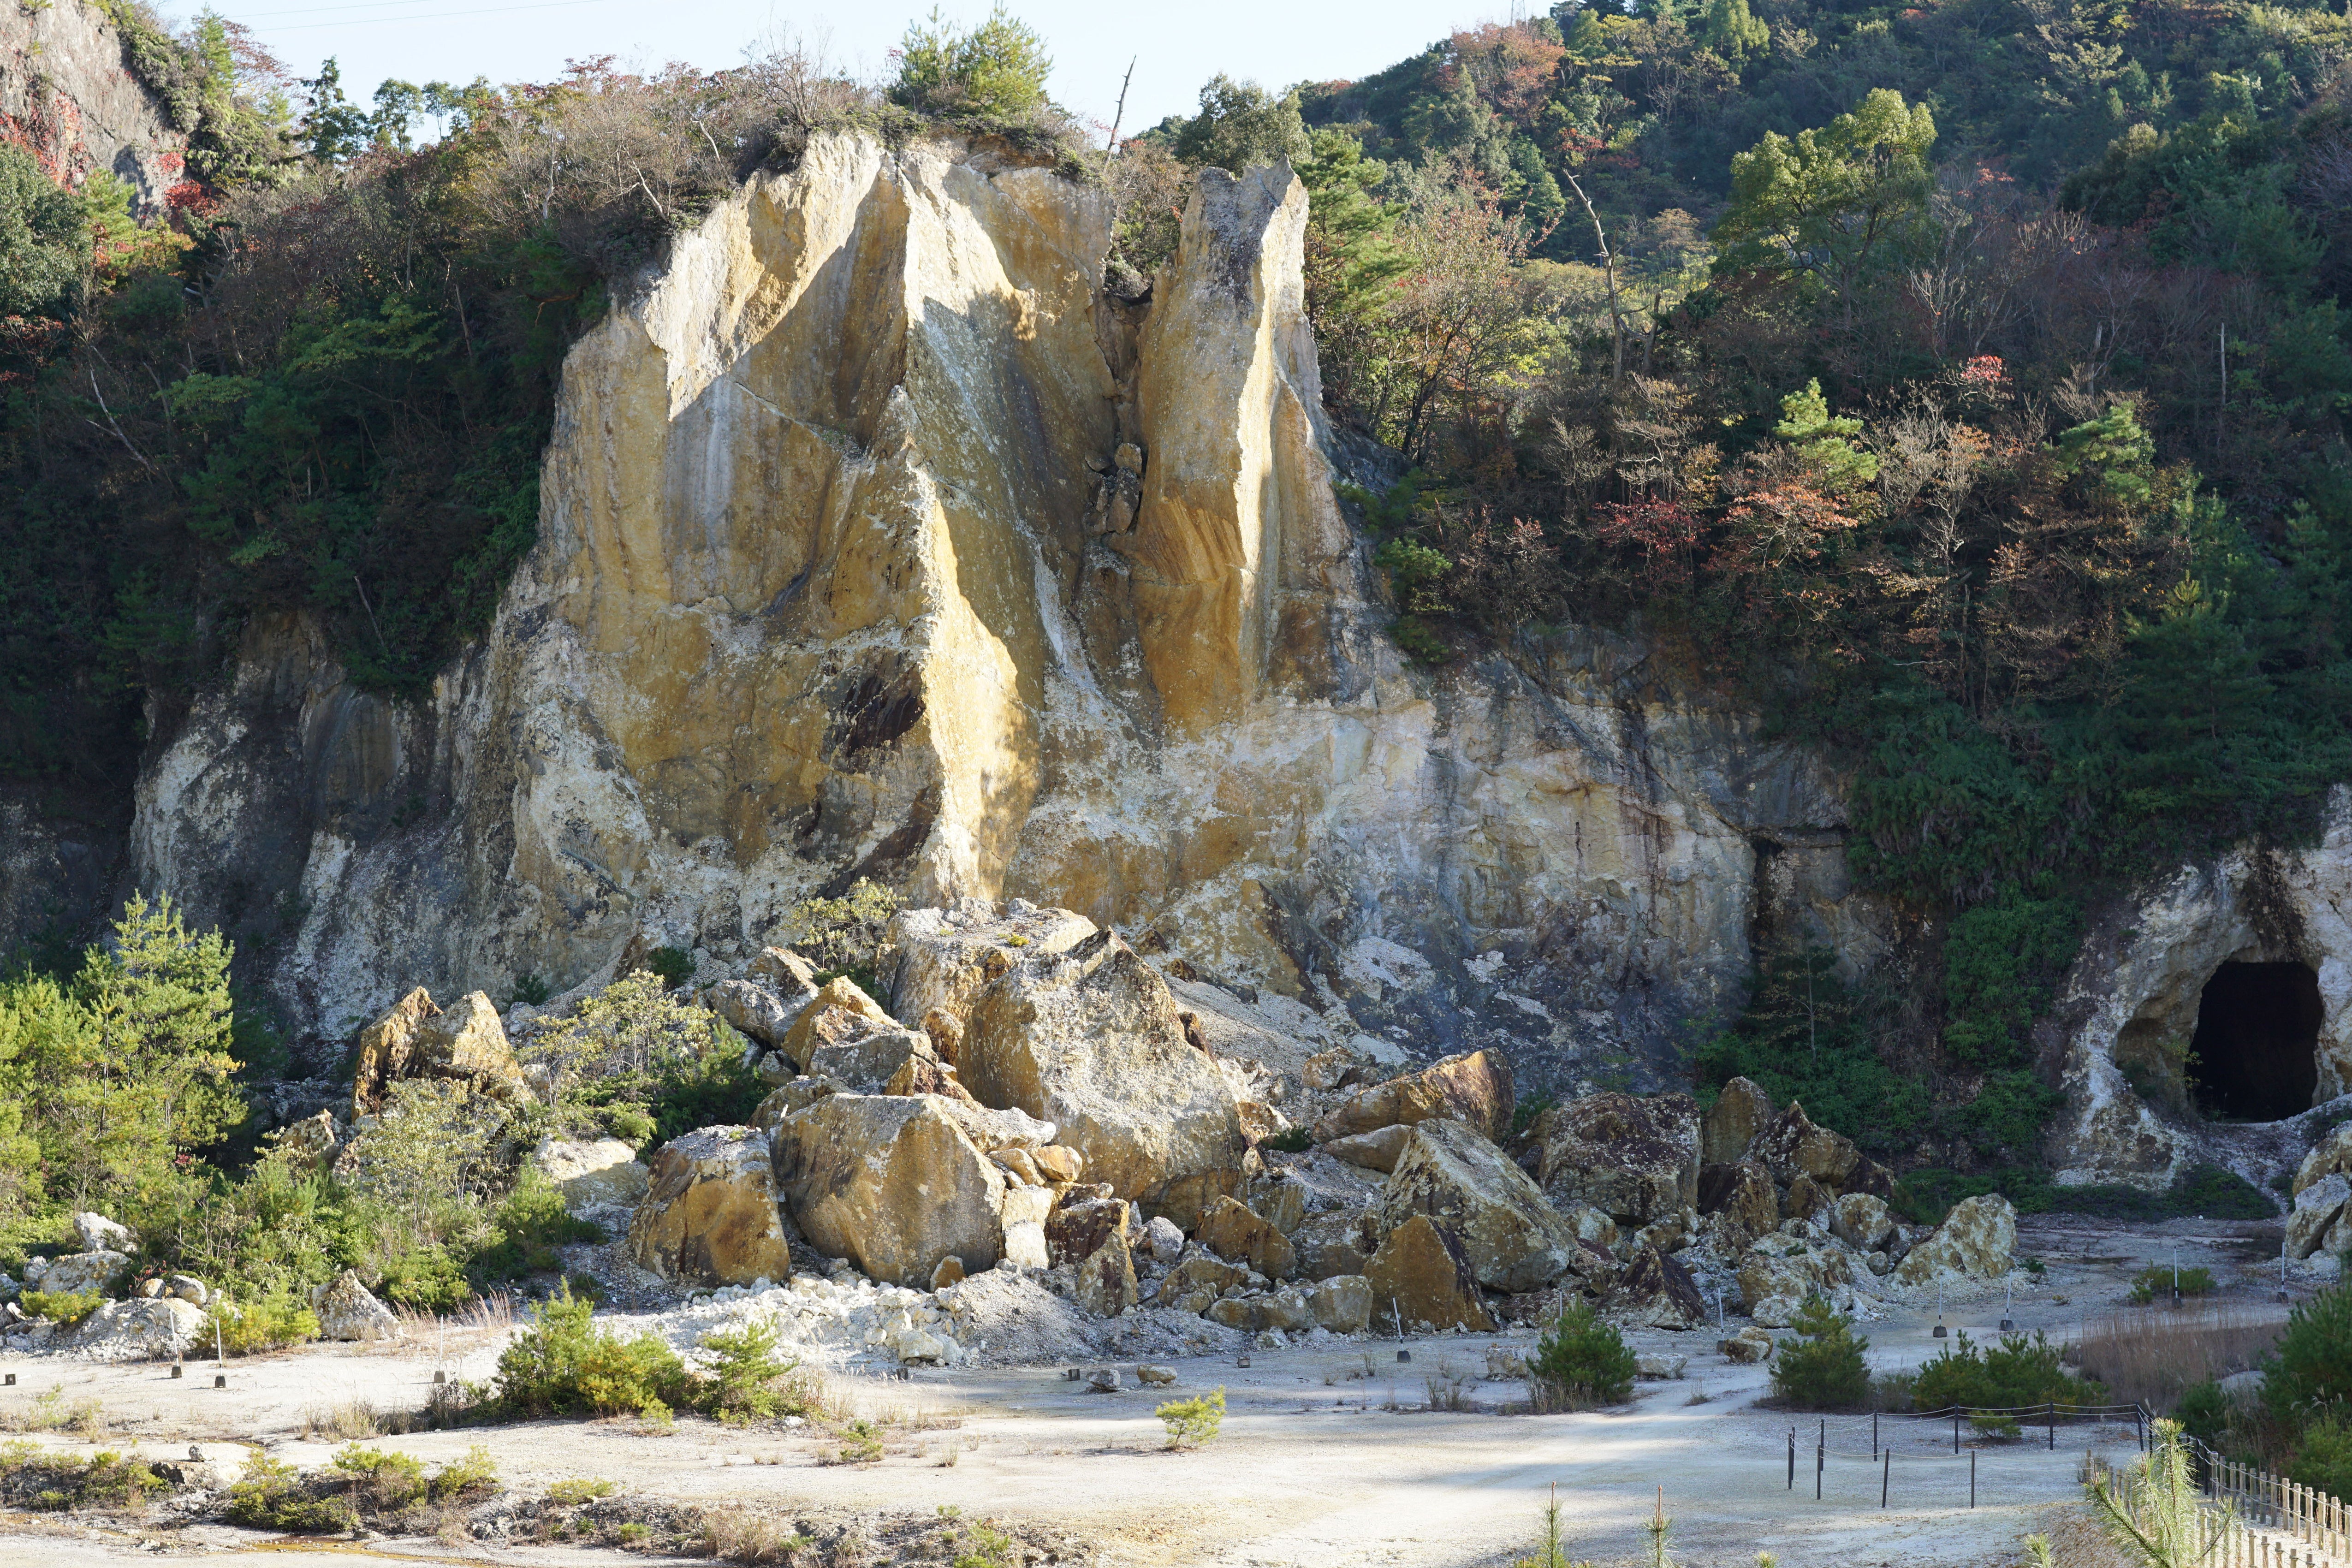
(2244, 1518)
(2319, 1522)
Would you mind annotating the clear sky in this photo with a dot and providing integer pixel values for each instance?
(1175, 46)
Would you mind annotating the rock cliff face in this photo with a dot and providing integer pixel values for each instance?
(66, 91)
(876, 539)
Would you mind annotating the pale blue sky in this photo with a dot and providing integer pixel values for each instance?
(1176, 46)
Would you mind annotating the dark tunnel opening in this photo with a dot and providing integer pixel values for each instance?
(2256, 1054)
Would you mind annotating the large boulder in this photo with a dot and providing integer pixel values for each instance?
(752, 1009)
(1378, 1150)
(1475, 1088)
(839, 1013)
(1338, 1243)
(417, 1039)
(597, 1176)
(1233, 1230)
(1514, 1239)
(1977, 1240)
(2317, 1209)
(1791, 1146)
(1421, 1278)
(1739, 1112)
(1861, 1220)
(1634, 1158)
(891, 1183)
(1076, 1231)
(1742, 1195)
(158, 1326)
(347, 1309)
(1091, 1041)
(1342, 1303)
(2332, 1157)
(99, 1234)
(946, 956)
(709, 1215)
(873, 1059)
(78, 1271)
(1655, 1291)
(1106, 1277)
(1198, 1282)
(311, 1143)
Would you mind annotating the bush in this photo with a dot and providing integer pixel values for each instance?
(1290, 1140)
(744, 1372)
(379, 1482)
(2312, 1366)
(66, 1309)
(1194, 1421)
(532, 1223)
(1581, 1361)
(270, 1495)
(2322, 1456)
(2203, 1411)
(52, 1479)
(560, 1365)
(1825, 1370)
(574, 1493)
(271, 1321)
(2016, 1372)
(674, 965)
(2158, 1280)
(473, 1474)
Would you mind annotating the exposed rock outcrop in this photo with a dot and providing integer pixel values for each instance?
(1514, 1239)
(1421, 1278)
(1977, 1240)
(1473, 1088)
(1635, 1159)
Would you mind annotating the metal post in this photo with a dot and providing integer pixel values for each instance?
(2053, 1423)
(1820, 1459)
(1956, 1430)
(1873, 1434)
(1792, 1458)
(1885, 1474)
(1972, 1478)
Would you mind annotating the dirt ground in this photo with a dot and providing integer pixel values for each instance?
(1327, 1457)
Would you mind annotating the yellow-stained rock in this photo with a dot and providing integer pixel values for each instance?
(1473, 1088)
(709, 1215)
(417, 1039)
(1421, 1277)
(891, 1183)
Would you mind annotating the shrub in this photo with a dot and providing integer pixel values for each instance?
(2017, 1372)
(2312, 1366)
(674, 965)
(269, 1495)
(861, 1443)
(2322, 1456)
(1825, 1370)
(1194, 1421)
(1581, 1361)
(532, 1223)
(2203, 1411)
(1290, 1140)
(379, 1482)
(66, 1309)
(271, 1321)
(573, 1493)
(473, 1475)
(744, 1372)
(2002, 1426)
(560, 1365)
(845, 936)
(2157, 1281)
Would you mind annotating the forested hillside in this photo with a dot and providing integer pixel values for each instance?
(1961, 384)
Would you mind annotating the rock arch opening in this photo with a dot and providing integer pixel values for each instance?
(2255, 1055)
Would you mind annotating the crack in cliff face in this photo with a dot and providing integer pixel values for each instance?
(878, 538)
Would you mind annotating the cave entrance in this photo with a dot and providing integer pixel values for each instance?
(2256, 1049)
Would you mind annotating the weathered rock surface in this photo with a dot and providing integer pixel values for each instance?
(947, 955)
(709, 1215)
(2316, 1210)
(1375, 1150)
(347, 1309)
(1342, 1303)
(839, 1015)
(1749, 1346)
(1421, 1276)
(1739, 1112)
(1105, 1282)
(755, 1010)
(1473, 1088)
(1861, 1220)
(417, 1039)
(1196, 1284)
(1636, 1159)
(1791, 1146)
(1232, 1231)
(1329, 1245)
(1514, 1239)
(2332, 1155)
(99, 1234)
(1090, 1040)
(78, 1271)
(70, 98)
(891, 1183)
(1977, 1240)
(158, 1327)
(1741, 1200)
(1655, 1291)
(597, 1176)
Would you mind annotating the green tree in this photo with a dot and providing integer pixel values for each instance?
(142, 1075)
(44, 239)
(334, 128)
(995, 71)
(1581, 1361)
(1833, 203)
(1826, 441)
(1825, 1369)
(1242, 126)
(1732, 31)
(1350, 262)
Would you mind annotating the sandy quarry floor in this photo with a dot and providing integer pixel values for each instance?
(1314, 1468)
